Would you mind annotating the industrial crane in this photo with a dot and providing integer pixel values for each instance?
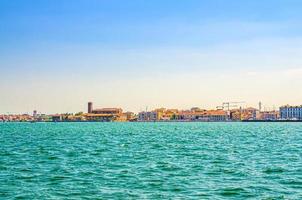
(229, 104)
(223, 107)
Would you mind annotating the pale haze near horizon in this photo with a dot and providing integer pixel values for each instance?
(56, 56)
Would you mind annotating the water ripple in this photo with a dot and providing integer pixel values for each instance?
(151, 161)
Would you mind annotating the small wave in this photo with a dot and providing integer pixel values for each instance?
(273, 170)
(232, 191)
(292, 183)
(26, 178)
(52, 158)
(58, 178)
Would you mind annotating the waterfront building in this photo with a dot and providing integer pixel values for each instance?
(235, 115)
(148, 116)
(130, 116)
(16, 118)
(104, 114)
(122, 118)
(43, 118)
(249, 113)
(35, 113)
(159, 114)
(244, 114)
(212, 116)
(193, 114)
(100, 117)
(109, 111)
(291, 112)
(203, 115)
(269, 115)
(170, 114)
(56, 118)
(186, 115)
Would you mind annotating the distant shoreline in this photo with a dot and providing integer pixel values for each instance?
(250, 121)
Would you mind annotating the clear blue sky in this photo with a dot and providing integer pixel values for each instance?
(56, 55)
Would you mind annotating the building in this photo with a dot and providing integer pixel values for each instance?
(194, 114)
(269, 115)
(186, 115)
(43, 118)
(101, 117)
(148, 116)
(203, 115)
(235, 115)
(159, 114)
(169, 114)
(109, 111)
(212, 116)
(244, 114)
(249, 113)
(57, 118)
(291, 112)
(35, 113)
(103, 114)
(130, 116)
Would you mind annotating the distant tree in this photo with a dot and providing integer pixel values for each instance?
(79, 114)
(65, 116)
(173, 117)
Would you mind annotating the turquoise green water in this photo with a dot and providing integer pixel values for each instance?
(151, 161)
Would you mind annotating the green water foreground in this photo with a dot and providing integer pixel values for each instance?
(150, 160)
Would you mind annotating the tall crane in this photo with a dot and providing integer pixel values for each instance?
(223, 107)
(229, 104)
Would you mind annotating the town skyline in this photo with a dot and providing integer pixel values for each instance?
(227, 112)
(222, 106)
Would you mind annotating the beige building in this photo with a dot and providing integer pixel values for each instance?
(104, 114)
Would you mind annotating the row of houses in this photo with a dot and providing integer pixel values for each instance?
(194, 114)
(16, 118)
(25, 118)
(162, 114)
(197, 114)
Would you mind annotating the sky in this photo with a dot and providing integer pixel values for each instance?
(56, 55)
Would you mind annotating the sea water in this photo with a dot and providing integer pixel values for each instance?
(150, 160)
